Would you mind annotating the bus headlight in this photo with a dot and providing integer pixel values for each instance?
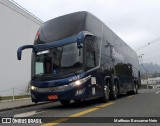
(33, 88)
(79, 82)
(76, 83)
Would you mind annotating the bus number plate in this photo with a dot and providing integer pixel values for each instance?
(52, 97)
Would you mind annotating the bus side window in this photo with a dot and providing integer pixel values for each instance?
(39, 68)
(90, 58)
(47, 66)
(90, 53)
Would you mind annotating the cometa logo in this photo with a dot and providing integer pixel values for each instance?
(43, 52)
(117, 55)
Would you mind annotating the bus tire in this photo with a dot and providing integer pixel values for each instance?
(114, 91)
(105, 97)
(65, 102)
(135, 89)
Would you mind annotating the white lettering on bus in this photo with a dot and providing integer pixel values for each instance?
(74, 78)
(118, 55)
(43, 52)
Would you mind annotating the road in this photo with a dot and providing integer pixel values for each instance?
(144, 104)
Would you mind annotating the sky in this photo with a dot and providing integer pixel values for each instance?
(137, 22)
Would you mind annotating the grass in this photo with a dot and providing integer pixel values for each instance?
(15, 97)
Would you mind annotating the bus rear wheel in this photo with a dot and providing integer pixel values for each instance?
(65, 102)
(105, 97)
(135, 89)
(114, 91)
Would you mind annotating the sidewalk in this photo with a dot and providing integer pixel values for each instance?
(18, 103)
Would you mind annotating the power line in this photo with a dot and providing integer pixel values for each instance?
(149, 43)
(151, 57)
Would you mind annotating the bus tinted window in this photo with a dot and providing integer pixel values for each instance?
(92, 52)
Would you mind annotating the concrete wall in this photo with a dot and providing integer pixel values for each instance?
(17, 28)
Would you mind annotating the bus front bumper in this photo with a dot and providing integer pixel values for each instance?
(71, 94)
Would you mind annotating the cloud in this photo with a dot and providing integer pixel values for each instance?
(135, 21)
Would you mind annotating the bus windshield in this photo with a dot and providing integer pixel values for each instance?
(58, 60)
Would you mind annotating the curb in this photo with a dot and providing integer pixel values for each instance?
(11, 100)
(23, 106)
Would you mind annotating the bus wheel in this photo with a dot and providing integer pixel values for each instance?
(65, 102)
(105, 97)
(114, 91)
(135, 89)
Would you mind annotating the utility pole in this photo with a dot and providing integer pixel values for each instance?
(13, 94)
(141, 60)
(147, 80)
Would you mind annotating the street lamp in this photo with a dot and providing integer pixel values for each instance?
(140, 57)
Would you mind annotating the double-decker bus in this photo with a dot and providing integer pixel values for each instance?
(77, 57)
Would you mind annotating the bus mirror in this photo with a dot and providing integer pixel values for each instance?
(80, 40)
(19, 51)
(79, 45)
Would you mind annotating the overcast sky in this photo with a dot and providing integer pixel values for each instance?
(137, 22)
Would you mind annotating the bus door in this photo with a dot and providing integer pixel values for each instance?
(91, 59)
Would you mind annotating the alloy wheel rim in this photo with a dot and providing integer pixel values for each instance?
(106, 91)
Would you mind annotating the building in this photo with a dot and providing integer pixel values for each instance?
(17, 27)
(151, 82)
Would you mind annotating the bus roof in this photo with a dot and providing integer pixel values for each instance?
(71, 24)
(68, 25)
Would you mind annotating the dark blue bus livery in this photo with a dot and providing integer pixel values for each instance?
(77, 57)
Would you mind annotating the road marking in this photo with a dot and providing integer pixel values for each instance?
(83, 112)
(105, 105)
(27, 114)
(78, 114)
(157, 92)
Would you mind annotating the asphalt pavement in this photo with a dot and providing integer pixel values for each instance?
(17, 103)
(145, 104)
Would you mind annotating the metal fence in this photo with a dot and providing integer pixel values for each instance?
(13, 92)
